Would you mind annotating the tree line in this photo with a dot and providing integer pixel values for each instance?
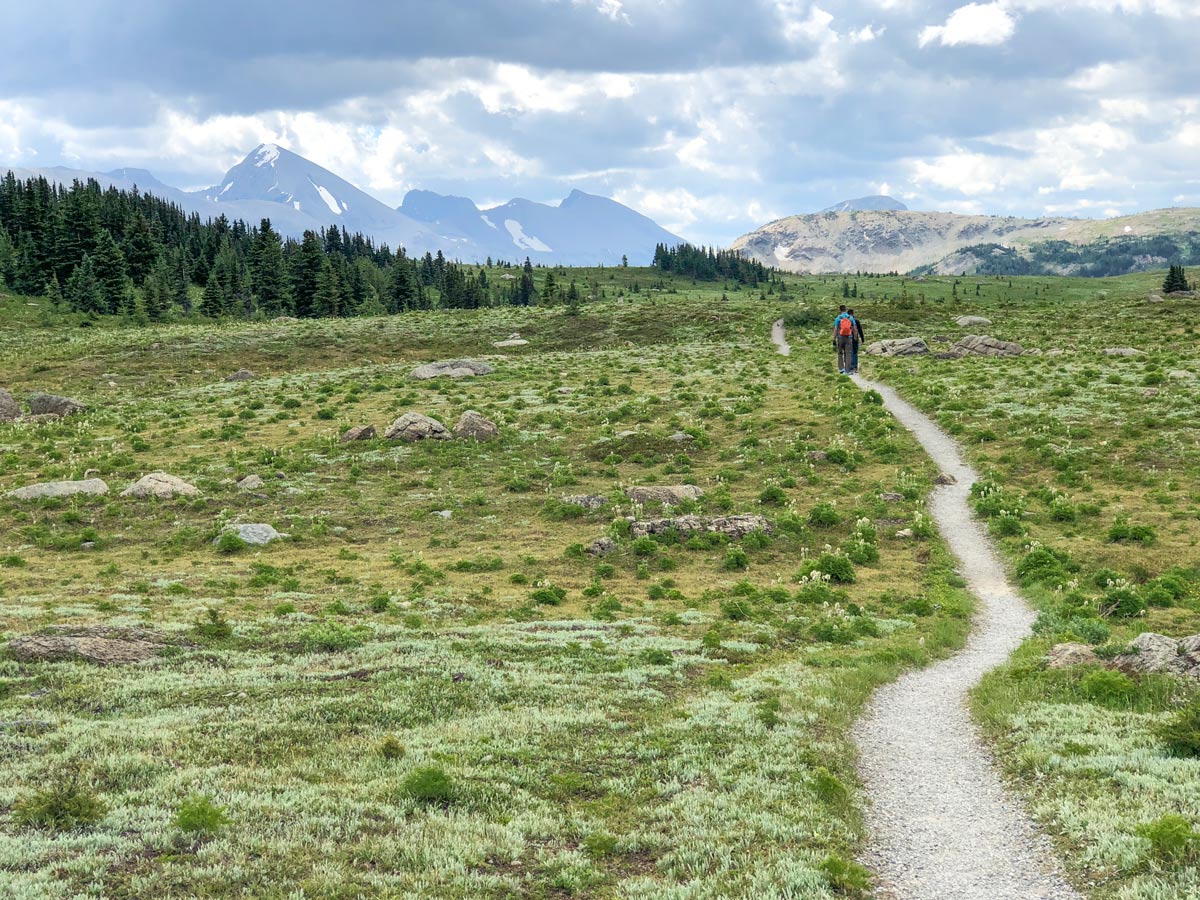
(707, 264)
(104, 251)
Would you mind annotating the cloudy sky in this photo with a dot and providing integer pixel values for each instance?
(710, 116)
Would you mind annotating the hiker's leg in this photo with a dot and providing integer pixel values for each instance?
(854, 358)
(844, 351)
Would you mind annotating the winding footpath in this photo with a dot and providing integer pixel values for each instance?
(941, 825)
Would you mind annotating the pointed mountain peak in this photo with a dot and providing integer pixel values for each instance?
(874, 203)
(264, 155)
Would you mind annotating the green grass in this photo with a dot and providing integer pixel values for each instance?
(396, 703)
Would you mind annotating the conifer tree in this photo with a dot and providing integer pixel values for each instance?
(328, 298)
(213, 302)
(109, 265)
(266, 270)
(83, 293)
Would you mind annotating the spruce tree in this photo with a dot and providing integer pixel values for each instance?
(156, 292)
(328, 298)
(304, 272)
(83, 293)
(266, 270)
(213, 302)
(109, 265)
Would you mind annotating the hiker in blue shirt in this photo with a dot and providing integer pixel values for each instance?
(843, 340)
(859, 338)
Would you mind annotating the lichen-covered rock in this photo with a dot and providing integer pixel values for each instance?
(910, 346)
(1063, 656)
(602, 547)
(10, 409)
(256, 533)
(451, 368)
(103, 646)
(734, 526)
(94, 486)
(416, 427)
(587, 501)
(54, 405)
(511, 342)
(250, 483)
(944, 478)
(985, 345)
(972, 322)
(358, 433)
(671, 494)
(1121, 351)
(160, 485)
(1154, 653)
(471, 426)
(241, 375)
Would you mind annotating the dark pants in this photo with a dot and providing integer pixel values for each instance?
(854, 358)
(845, 349)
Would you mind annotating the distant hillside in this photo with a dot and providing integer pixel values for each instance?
(874, 203)
(906, 241)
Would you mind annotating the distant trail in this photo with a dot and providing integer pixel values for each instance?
(941, 824)
(779, 338)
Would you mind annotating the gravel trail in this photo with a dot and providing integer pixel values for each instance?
(941, 825)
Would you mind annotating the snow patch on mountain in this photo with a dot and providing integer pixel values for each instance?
(266, 155)
(224, 189)
(525, 241)
(488, 222)
(329, 200)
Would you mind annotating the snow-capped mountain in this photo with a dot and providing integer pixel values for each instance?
(582, 230)
(297, 195)
(874, 203)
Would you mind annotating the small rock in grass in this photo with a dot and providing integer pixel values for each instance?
(451, 368)
(512, 342)
(602, 547)
(471, 426)
(1063, 656)
(944, 479)
(250, 483)
(255, 534)
(904, 533)
(910, 346)
(416, 427)
(891, 497)
(587, 501)
(681, 437)
(241, 375)
(969, 321)
(104, 646)
(160, 485)
(54, 405)
(986, 345)
(94, 486)
(734, 526)
(672, 494)
(358, 433)
(444, 513)
(1181, 375)
(1121, 351)
(10, 409)
(1157, 653)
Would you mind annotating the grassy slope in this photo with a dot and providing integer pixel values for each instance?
(674, 728)
(1076, 443)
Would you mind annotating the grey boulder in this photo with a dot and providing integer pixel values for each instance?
(160, 485)
(972, 322)
(255, 534)
(416, 427)
(670, 494)
(93, 486)
(733, 526)
(241, 375)
(471, 426)
(1063, 656)
(10, 409)
(358, 433)
(103, 646)
(985, 345)
(54, 405)
(909, 346)
(451, 368)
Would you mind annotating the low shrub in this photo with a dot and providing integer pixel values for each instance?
(837, 568)
(329, 637)
(1172, 838)
(1107, 688)
(199, 816)
(1122, 531)
(823, 515)
(59, 807)
(429, 785)
(1180, 734)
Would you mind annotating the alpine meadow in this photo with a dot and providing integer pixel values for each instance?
(469, 451)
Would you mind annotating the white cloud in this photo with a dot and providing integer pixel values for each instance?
(984, 24)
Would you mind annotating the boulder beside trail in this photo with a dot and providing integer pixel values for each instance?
(451, 368)
(54, 405)
(161, 485)
(416, 427)
(671, 494)
(255, 534)
(103, 646)
(471, 426)
(1063, 656)
(985, 345)
(94, 486)
(910, 346)
(10, 409)
(358, 433)
(733, 526)
(972, 322)
(1156, 653)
